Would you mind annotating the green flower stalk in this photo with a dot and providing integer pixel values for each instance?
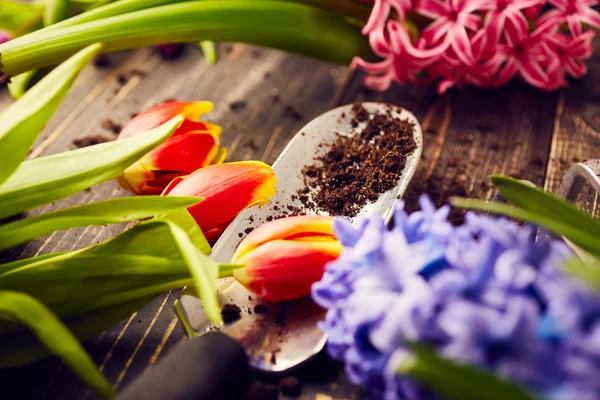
(283, 25)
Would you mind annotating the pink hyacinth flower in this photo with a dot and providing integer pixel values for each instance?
(507, 16)
(454, 73)
(4, 36)
(574, 13)
(525, 59)
(569, 53)
(452, 19)
(381, 12)
(402, 60)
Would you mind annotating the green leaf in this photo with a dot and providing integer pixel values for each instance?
(19, 84)
(204, 271)
(19, 347)
(588, 273)
(22, 121)
(153, 257)
(543, 209)
(186, 222)
(51, 178)
(279, 24)
(577, 234)
(20, 18)
(535, 199)
(112, 211)
(457, 381)
(4, 268)
(56, 11)
(55, 336)
(209, 49)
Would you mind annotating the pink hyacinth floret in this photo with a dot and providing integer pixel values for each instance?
(4, 36)
(483, 43)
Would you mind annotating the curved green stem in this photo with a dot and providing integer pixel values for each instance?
(226, 270)
(287, 26)
(357, 10)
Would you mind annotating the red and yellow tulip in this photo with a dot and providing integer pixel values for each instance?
(286, 256)
(193, 145)
(226, 189)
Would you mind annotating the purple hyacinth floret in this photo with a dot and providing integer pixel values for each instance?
(485, 293)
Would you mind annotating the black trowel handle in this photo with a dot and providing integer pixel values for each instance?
(212, 366)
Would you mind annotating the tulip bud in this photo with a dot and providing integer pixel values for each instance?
(226, 190)
(192, 146)
(286, 256)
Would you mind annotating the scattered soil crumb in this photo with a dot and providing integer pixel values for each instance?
(360, 114)
(358, 167)
(90, 140)
(111, 125)
(290, 386)
(267, 75)
(124, 77)
(261, 391)
(291, 112)
(251, 144)
(248, 230)
(230, 313)
(102, 61)
(237, 105)
(537, 161)
(280, 317)
(260, 309)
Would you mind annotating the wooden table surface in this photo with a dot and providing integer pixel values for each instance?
(262, 98)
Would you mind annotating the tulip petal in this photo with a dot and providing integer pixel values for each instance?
(284, 270)
(157, 115)
(285, 228)
(176, 156)
(184, 153)
(227, 189)
(189, 126)
(214, 234)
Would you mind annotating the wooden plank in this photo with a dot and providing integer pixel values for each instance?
(276, 93)
(577, 131)
(470, 134)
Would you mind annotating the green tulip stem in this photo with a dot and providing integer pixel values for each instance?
(287, 26)
(227, 270)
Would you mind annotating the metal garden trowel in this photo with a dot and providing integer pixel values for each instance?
(268, 337)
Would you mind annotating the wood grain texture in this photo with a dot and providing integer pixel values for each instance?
(577, 131)
(262, 97)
